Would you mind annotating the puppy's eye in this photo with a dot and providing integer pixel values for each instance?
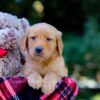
(33, 38)
(49, 39)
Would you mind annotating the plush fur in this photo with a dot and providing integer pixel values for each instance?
(12, 30)
(45, 69)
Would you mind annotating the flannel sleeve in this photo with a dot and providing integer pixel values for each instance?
(16, 88)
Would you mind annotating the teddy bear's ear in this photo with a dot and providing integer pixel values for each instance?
(25, 24)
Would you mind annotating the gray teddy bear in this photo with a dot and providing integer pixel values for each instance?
(12, 30)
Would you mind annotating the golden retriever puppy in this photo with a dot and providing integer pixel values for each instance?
(44, 66)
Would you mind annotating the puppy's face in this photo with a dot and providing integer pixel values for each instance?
(42, 41)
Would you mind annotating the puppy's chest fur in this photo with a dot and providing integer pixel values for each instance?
(37, 67)
(43, 68)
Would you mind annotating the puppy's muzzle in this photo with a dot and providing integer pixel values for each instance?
(38, 49)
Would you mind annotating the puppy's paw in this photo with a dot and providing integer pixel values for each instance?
(35, 81)
(48, 85)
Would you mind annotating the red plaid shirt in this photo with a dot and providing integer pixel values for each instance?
(66, 89)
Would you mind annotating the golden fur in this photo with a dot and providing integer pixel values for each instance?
(44, 70)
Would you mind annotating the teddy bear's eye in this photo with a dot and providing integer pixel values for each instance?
(33, 38)
(1, 28)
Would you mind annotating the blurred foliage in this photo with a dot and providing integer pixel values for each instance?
(84, 50)
(82, 55)
(66, 15)
(96, 97)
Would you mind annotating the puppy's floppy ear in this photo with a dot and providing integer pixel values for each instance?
(24, 43)
(59, 43)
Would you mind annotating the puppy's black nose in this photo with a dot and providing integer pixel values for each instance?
(38, 49)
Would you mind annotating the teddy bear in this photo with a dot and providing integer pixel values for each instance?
(12, 30)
